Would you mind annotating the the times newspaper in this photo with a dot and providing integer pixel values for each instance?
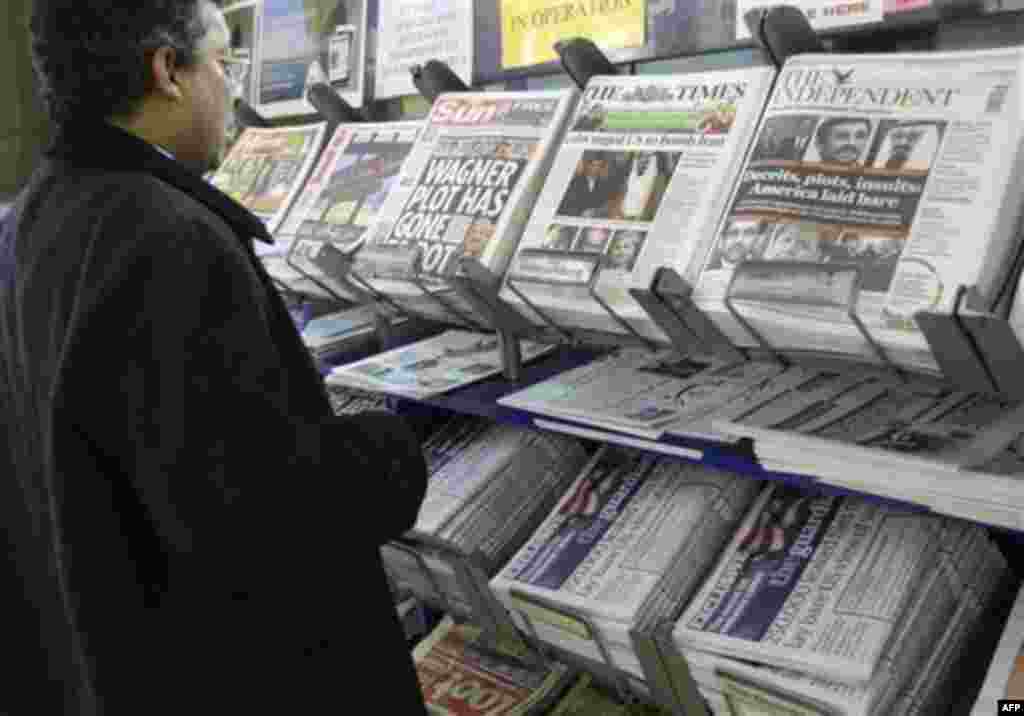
(813, 583)
(356, 171)
(636, 183)
(469, 183)
(266, 168)
(432, 366)
(459, 677)
(894, 173)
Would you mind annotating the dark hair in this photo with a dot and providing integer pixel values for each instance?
(91, 57)
(825, 127)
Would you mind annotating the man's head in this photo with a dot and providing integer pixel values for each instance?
(902, 140)
(791, 243)
(742, 239)
(597, 167)
(153, 67)
(843, 139)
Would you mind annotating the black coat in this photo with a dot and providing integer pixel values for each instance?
(189, 529)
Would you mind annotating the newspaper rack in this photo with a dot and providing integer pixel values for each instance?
(435, 78)
(582, 59)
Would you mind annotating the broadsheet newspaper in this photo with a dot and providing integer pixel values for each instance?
(266, 168)
(636, 184)
(433, 365)
(468, 185)
(813, 583)
(616, 538)
(357, 169)
(896, 174)
(459, 677)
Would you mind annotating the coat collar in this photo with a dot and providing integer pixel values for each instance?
(104, 146)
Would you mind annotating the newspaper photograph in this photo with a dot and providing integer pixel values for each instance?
(470, 180)
(459, 677)
(814, 583)
(266, 168)
(898, 168)
(636, 183)
(432, 366)
(356, 171)
(617, 530)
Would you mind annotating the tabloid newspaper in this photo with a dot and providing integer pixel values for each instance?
(266, 169)
(468, 185)
(645, 392)
(891, 178)
(614, 540)
(813, 583)
(356, 171)
(460, 678)
(636, 185)
(432, 366)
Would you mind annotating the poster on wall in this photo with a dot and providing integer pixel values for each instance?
(530, 28)
(822, 14)
(411, 32)
(303, 42)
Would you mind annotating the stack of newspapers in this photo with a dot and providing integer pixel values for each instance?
(837, 605)
(465, 190)
(350, 401)
(881, 183)
(636, 185)
(460, 675)
(490, 486)
(432, 366)
(907, 443)
(629, 541)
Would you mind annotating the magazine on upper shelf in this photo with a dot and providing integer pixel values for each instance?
(639, 182)
(813, 583)
(460, 674)
(432, 366)
(265, 170)
(357, 170)
(887, 181)
(467, 187)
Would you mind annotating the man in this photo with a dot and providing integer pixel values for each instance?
(189, 530)
(794, 242)
(842, 140)
(903, 139)
(742, 240)
(590, 189)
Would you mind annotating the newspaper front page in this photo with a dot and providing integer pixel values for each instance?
(432, 366)
(468, 184)
(357, 170)
(617, 530)
(460, 678)
(265, 170)
(636, 185)
(891, 178)
(813, 583)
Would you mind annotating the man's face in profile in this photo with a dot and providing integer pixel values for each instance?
(902, 141)
(739, 240)
(844, 142)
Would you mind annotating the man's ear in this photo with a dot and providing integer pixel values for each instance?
(163, 67)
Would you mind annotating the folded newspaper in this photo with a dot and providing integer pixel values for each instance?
(647, 393)
(266, 168)
(909, 447)
(886, 181)
(432, 366)
(963, 575)
(461, 676)
(636, 185)
(632, 529)
(812, 583)
(465, 190)
(357, 170)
